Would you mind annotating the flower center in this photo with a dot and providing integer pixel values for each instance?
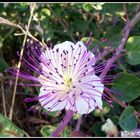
(67, 80)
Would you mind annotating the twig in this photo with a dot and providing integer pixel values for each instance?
(2, 89)
(24, 32)
(116, 100)
(102, 118)
(133, 22)
(116, 55)
(9, 132)
(126, 13)
(19, 63)
(3, 96)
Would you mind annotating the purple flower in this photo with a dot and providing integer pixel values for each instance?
(67, 76)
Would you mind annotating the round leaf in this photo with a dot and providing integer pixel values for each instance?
(133, 47)
(127, 120)
(87, 7)
(128, 85)
(46, 11)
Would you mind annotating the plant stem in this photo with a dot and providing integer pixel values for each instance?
(3, 96)
(19, 63)
(79, 123)
(127, 29)
(102, 118)
(2, 89)
(63, 124)
(116, 55)
(24, 32)
(116, 100)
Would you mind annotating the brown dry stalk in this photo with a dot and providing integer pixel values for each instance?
(24, 32)
(9, 132)
(3, 96)
(19, 63)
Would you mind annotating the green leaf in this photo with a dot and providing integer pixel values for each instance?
(98, 6)
(133, 47)
(3, 65)
(76, 116)
(104, 111)
(9, 129)
(127, 120)
(66, 132)
(46, 11)
(57, 8)
(48, 129)
(87, 7)
(110, 8)
(84, 39)
(128, 85)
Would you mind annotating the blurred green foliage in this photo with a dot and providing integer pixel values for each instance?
(57, 22)
(9, 129)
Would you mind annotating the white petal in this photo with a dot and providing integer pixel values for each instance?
(93, 93)
(92, 105)
(50, 102)
(82, 106)
(64, 46)
(96, 96)
(69, 104)
(67, 46)
(89, 81)
(99, 102)
(43, 92)
(82, 59)
(59, 106)
(83, 47)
